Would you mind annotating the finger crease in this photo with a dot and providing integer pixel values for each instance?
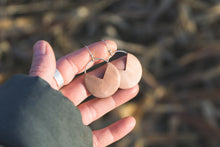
(73, 66)
(114, 104)
(111, 134)
(95, 140)
(93, 112)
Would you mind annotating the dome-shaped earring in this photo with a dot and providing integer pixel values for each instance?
(102, 87)
(132, 73)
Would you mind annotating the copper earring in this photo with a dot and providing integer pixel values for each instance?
(132, 73)
(102, 87)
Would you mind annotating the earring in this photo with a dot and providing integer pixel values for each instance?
(132, 73)
(102, 87)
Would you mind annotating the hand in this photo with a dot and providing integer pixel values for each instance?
(44, 65)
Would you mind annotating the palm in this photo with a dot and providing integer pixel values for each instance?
(74, 89)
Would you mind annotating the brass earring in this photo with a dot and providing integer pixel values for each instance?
(102, 87)
(132, 73)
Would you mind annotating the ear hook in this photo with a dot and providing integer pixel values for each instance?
(93, 61)
(118, 51)
(110, 52)
(90, 53)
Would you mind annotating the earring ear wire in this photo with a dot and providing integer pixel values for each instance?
(92, 58)
(110, 52)
(118, 51)
(93, 61)
(91, 55)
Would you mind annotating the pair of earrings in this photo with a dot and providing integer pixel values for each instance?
(114, 77)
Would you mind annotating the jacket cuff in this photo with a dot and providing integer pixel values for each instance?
(34, 114)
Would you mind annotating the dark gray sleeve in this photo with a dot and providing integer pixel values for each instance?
(32, 114)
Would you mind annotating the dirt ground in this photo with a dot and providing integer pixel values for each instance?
(177, 42)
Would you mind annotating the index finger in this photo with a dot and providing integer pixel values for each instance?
(75, 62)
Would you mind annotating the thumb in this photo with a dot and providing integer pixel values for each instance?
(44, 62)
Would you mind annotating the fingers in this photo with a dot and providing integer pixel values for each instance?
(42, 55)
(75, 62)
(76, 90)
(113, 132)
(96, 108)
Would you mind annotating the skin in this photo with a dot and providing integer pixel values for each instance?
(74, 89)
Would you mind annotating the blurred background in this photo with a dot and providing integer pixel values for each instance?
(177, 42)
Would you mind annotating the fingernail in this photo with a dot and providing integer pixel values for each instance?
(39, 48)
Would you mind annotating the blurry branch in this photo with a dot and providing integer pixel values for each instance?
(168, 108)
(135, 15)
(215, 10)
(211, 15)
(17, 27)
(198, 77)
(85, 12)
(197, 5)
(149, 79)
(186, 22)
(159, 11)
(161, 139)
(202, 126)
(195, 95)
(198, 55)
(35, 7)
(71, 19)
(209, 112)
(147, 103)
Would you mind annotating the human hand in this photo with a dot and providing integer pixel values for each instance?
(44, 65)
